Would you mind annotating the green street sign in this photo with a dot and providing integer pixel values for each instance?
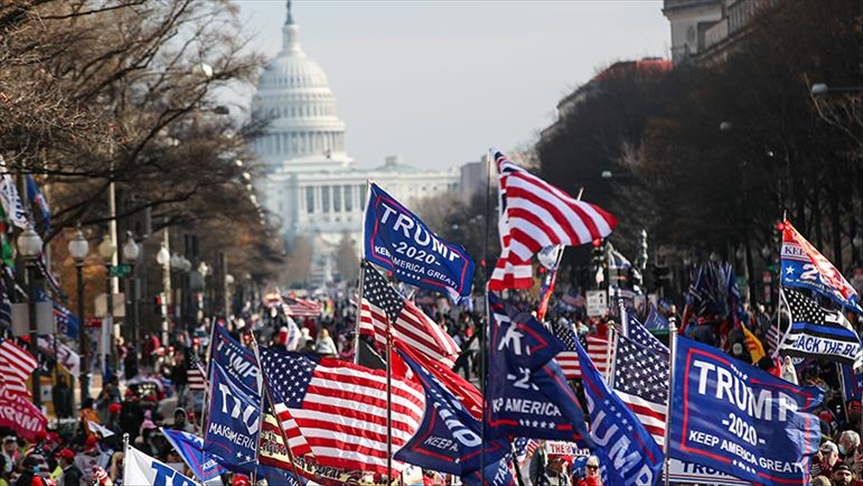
(120, 270)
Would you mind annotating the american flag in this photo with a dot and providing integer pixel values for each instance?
(597, 349)
(535, 214)
(641, 381)
(641, 336)
(16, 366)
(196, 375)
(341, 408)
(524, 449)
(381, 303)
(297, 307)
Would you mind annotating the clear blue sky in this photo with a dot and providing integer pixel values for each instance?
(438, 82)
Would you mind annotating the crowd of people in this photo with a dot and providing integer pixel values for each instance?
(150, 390)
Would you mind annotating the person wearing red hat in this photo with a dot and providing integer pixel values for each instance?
(240, 480)
(71, 472)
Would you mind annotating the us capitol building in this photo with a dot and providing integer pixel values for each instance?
(311, 186)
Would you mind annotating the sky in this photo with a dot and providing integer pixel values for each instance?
(439, 82)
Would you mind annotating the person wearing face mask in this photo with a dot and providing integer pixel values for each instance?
(849, 444)
(29, 474)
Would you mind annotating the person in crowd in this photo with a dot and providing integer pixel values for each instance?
(180, 421)
(100, 477)
(849, 445)
(110, 394)
(11, 453)
(348, 352)
(555, 472)
(72, 474)
(179, 373)
(829, 458)
(61, 397)
(842, 475)
(591, 473)
(325, 345)
(4, 475)
(30, 472)
(115, 469)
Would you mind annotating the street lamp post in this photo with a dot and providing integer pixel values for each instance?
(163, 258)
(107, 250)
(78, 248)
(30, 247)
(131, 251)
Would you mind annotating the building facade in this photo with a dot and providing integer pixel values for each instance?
(705, 31)
(311, 187)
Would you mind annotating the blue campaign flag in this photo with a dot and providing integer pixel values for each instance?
(399, 241)
(235, 359)
(528, 395)
(234, 428)
(497, 473)
(852, 383)
(655, 321)
(190, 447)
(803, 266)
(628, 454)
(67, 322)
(740, 420)
(38, 201)
(449, 439)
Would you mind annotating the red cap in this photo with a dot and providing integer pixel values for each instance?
(240, 480)
(114, 408)
(66, 454)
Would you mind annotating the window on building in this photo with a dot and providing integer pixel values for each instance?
(310, 200)
(361, 192)
(325, 199)
(349, 199)
(337, 199)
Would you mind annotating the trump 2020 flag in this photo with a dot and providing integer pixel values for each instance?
(396, 239)
(449, 439)
(528, 395)
(141, 469)
(627, 452)
(740, 420)
(234, 428)
(191, 449)
(804, 266)
(237, 361)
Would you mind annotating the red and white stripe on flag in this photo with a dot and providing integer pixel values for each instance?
(196, 377)
(597, 349)
(413, 327)
(16, 366)
(534, 214)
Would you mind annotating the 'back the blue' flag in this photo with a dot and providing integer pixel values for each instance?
(396, 239)
(234, 428)
(626, 450)
(528, 396)
(740, 420)
(190, 447)
(449, 439)
(236, 360)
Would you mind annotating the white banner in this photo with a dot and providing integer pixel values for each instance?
(139, 468)
(686, 472)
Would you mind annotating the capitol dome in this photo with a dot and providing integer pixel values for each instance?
(294, 97)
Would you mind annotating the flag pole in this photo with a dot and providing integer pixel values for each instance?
(672, 351)
(266, 389)
(362, 278)
(780, 294)
(389, 402)
(486, 329)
